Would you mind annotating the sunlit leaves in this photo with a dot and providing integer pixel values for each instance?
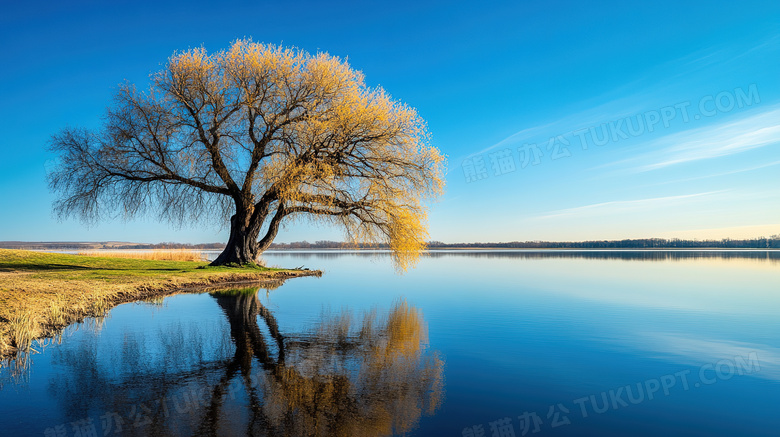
(259, 131)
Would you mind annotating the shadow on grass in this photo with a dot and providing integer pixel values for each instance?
(53, 267)
(21, 267)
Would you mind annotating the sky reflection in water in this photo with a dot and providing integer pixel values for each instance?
(451, 348)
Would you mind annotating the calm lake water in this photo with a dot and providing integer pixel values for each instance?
(489, 343)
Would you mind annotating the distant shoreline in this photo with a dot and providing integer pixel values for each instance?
(763, 243)
(539, 249)
(459, 249)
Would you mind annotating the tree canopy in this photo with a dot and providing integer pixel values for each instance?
(343, 375)
(254, 136)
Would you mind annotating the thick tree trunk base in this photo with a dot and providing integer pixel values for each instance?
(236, 255)
(242, 247)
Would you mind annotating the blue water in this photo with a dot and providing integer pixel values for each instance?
(493, 343)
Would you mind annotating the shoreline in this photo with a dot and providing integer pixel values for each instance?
(535, 249)
(43, 293)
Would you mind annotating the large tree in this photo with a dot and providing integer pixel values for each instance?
(344, 375)
(253, 136)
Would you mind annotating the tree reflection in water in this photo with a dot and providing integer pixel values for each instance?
(341, 377)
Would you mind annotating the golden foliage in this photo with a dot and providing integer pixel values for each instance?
(389, 383)
(330, 379)
(358, 158)
(261, 134)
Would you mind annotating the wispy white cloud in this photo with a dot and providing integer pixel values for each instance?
(619, 206)
(638, 96)
(715, 175)
(714, 141)
(516, 138)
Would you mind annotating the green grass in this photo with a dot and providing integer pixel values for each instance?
(42, 292)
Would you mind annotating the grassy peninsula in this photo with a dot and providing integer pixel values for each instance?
(41, 293)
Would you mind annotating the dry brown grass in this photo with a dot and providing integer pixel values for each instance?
(40, 293)
(153, 255)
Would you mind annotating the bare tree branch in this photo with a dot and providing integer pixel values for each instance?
(255, 135)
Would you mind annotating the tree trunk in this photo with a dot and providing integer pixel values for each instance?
(242, 246)
(242, 312)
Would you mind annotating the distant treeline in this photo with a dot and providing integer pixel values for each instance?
(59, 245)
(648, 243)
(622, 255)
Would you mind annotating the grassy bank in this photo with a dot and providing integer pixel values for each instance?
(41, 293)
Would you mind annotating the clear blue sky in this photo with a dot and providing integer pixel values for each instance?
(688, 96)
